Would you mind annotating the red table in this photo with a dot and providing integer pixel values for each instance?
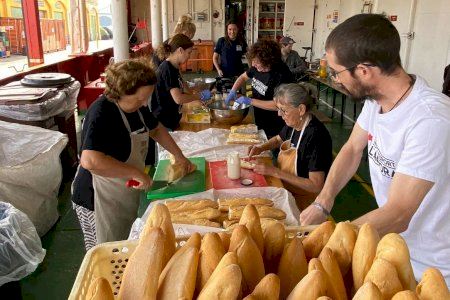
(89, 93)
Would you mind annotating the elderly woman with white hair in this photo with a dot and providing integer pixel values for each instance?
(305, 146)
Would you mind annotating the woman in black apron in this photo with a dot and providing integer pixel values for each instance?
(305, 146)
(114, 143)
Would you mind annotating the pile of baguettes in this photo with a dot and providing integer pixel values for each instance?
(256, 262)
(244, 134)
(224, 213)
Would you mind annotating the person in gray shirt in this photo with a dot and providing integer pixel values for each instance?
(291, 58)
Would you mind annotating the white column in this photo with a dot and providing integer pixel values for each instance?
(155, 17)
(120, 30)
(165, 22)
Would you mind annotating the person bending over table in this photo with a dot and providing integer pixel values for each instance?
(170, 94)
(227, 57)
(114, 141)
(405, 126)
(267, 72)
(305, 146)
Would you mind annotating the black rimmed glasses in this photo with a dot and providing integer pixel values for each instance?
(334, 74)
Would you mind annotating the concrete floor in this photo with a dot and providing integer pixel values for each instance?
(54, 278)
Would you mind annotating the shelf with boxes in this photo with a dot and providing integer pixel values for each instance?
(271, 19)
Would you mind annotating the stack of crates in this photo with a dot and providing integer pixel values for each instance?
(4, 43)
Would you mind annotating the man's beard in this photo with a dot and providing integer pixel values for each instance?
(360, 92)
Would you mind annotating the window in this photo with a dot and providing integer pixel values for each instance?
(16, 12)
(42, 14)
(58, 15)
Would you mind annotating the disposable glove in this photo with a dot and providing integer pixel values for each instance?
(205, 95)
(244, 100)
(231, 96)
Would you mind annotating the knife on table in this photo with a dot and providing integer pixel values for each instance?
(157, 184)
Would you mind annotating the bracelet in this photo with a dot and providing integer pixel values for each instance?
(321, 208)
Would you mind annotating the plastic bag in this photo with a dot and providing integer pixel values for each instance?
(20, 246)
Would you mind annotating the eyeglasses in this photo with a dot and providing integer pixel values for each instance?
(335, 74)
(282, 111)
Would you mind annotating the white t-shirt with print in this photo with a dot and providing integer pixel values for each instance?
(414, 139)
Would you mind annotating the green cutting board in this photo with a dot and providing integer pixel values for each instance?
(189, 184)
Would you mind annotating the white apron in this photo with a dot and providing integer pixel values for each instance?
(115, 205)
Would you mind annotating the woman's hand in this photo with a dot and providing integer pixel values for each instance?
(254, 150)
(145, 182)
(312, 215)
(265, 169)
(186, 164)
(220, 72)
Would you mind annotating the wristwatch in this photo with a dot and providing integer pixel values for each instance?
(321, 208)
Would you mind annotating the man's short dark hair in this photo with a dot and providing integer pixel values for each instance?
(366, 38)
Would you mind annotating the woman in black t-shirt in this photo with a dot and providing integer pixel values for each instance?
(305, 146)
(227, 57)
(170, 93)
(267, 72)
(114, 142)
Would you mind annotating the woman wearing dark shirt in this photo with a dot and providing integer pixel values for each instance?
(114, 142)
(170, 91)
(305, 146)
(227, 57)
(267, 72)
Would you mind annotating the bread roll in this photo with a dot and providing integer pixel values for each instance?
(229, 258)
(317, 239)
(249, 258)
(199, 222)
(211, 252)
(250, 219)
(225, 238)
(384, 276)
(324, 298)
(267, 289)
(224, 204)
(392, 247)
(432, 286)
(405, 295)
(99, 289)
(223, 217)
(225, 286)
(179, 280)
(333, 273)
(205, 213)
(194, 240)
(342, 242)
(311, 287)
(228, 223)
(247, 164)
(183, 205)
(364, 253)
(274, 240)
(293, 266)
(269, 221)
(140, 279)
(235, 213)
(160, 217)
(368, 291)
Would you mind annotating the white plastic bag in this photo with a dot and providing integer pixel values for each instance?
(20, 246)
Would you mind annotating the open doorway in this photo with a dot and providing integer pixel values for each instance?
(236, 10)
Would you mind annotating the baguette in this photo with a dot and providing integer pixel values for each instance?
(140, 279)
(200, 222)
(243, 136)
(334, 277)
(211, 252)
(317, 239)
(223, 217)
(179, 280)
(160, 217)
(230, 258)
(342, 242)
(247, 128)
(224, 204)
(250, 219)
(249, 258)
(247, 164)
(228, 223)
(405, 295)
(311, 287)
(274, 239)
(392, 247)
(235, 213)
(267, 289)
(225, 238)
(385, 277)
(205, 213)
(99, 289)
(183, 205)
(293, 267)
(368, 291)
(432, 286)
(364, 253)
(225, 286)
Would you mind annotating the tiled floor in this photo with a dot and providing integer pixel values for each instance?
(54, 278)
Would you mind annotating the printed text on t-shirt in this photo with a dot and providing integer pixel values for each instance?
(260, 87)
(387, 166)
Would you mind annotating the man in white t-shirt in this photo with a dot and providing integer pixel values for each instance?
(406, 126)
